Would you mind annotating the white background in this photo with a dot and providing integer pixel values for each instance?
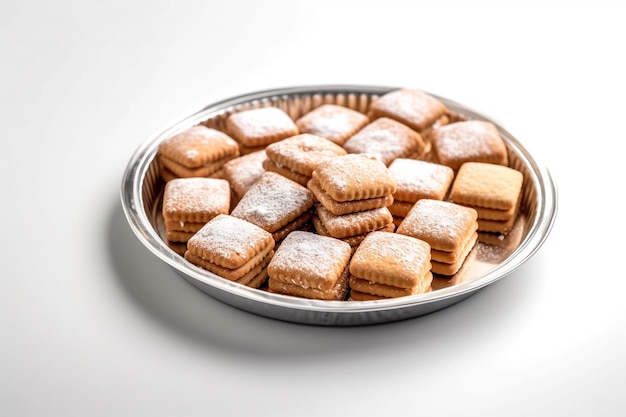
(92, 324)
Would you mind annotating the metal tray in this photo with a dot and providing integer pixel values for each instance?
(491, 260)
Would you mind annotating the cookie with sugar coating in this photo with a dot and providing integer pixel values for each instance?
(261, 126)
(333, 122)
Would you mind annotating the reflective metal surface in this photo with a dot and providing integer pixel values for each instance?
(491, 260)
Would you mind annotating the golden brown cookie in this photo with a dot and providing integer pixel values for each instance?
(487, 185)
(262, 126)
(333, 122)
(386, 139)
(353, 224)
(420, 179)
(338, 292)
(354, 240)
(354, 177)
(188, 203)
(197, 151)
(449, 229)
(392, 259)
(345, 207)
(302, 153)
(469, 141)
(273, 202)
(308, 260)
(230, 242)
(413, 108)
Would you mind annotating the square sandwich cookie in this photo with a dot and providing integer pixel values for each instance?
(362, 182)
(416, 180)
(468, 141)
(233, 249)
(449, 229)
(197, 152)
(387, 139)
(413, 108)
(276, 204)
(311, 266)
(389, 265)
(333, 122)
(494, 191)
(259, 127)
(297, 157)
(189, 203)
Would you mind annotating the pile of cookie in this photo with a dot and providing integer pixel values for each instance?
(338, 204)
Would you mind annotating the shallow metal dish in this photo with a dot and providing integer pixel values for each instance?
(141, 198)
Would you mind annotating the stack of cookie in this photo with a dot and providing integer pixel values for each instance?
(276, 204)
(389, 265)
(189, 203)
(197, 152)
(493, 190)
(449, 229)
(312, 266)
(354, 192)
(415, 180)
(297, 157)
(233, 249)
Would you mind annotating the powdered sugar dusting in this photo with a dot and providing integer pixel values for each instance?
(311, 255)
(420, 179)
(229, 238)
(185, 196)
(273, 201)
(262, 122)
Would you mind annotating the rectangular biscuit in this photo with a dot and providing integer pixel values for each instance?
(346, 207)
(333, 122)
(444, 225)
(417, 179)
(386, 139)
(302, 153)
(389, 291)
(354, 177)
(260, 126)
(249, 269)
(486, 185)
(197, 147)
(351, 240)
(194, 200)
(337, 292)
(413, 108)
(309, 260)
(273, 202)
(242, 172)
(392, 259)
(353, 223)
(229, 242)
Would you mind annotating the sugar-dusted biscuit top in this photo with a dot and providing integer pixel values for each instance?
(262, 126)
(392, 259)
(273, 201)
(469, 141)
(195, 199)
(417, 179)
(309, 260)
(229, 242)
(387, 139)
(414, 108)
(354, 177)
(198, 146)
(487, 185)
(333, 122)
(244, 171)
(445, 226)
(302, 153)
